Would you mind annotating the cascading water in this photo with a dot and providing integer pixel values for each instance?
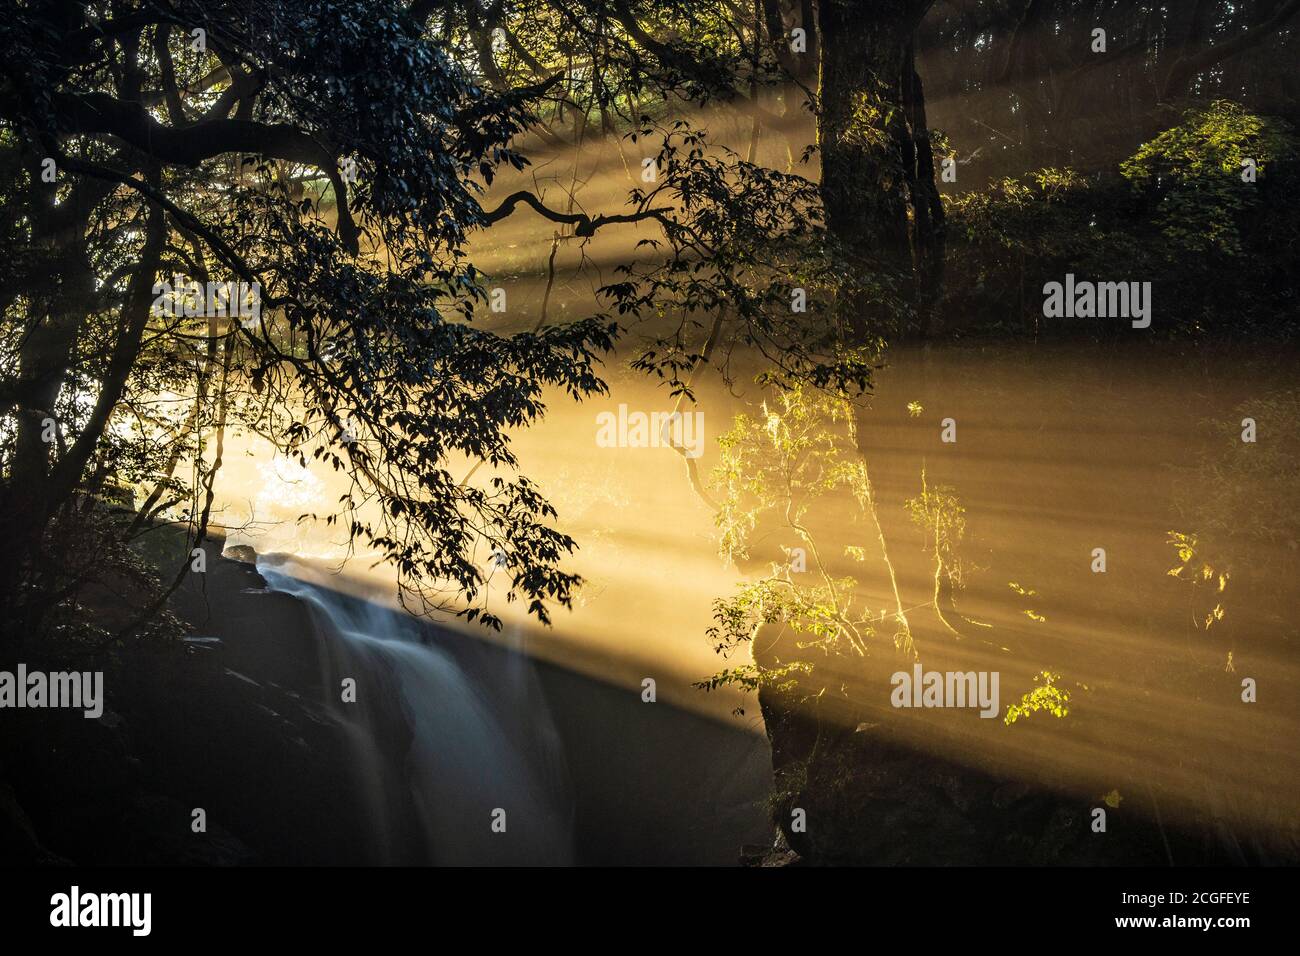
(442, 740)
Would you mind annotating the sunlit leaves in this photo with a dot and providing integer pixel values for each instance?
(1199, 573)
(775, 465)
(1192, 172)
(1046, 697)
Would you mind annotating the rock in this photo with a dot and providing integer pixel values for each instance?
(241, 553)
(1010, 794)
(19, 844)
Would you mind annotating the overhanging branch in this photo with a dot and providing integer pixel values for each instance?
(98, 113)
(583, 225)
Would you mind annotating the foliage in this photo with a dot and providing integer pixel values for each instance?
(776, 467)
(1259, 471)
(277, 152)
(1198, 578)
(1046, 696)
(942, 518)
(751, 678)
(744, 242)
(1191, 175)
(1175, 212)
(363, 356)
(1007, 240)
(1233, 497)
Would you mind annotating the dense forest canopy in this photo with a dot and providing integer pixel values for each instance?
(260, 215)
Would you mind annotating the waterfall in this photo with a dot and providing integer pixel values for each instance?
(446, 731)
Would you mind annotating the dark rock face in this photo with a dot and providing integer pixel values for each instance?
(80, 793)
(19, 842)
(238, 724)
(180, 718)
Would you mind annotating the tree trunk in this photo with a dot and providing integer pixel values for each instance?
(876, 175)
(929, 243)
(44, 358)
(40, 482)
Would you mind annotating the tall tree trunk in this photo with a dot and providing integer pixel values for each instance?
(929, 244)
(40, 482)
(44, 359)
(872, 168)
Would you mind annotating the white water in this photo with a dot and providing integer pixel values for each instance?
(481, 737)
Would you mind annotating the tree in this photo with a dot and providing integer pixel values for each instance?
(265, 208)
(877, 162)
(190, 138)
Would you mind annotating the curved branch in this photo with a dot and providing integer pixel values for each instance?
(583, 225)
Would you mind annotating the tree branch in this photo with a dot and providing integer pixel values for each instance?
(583, 225)
(1186, 67)
(98, 113)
